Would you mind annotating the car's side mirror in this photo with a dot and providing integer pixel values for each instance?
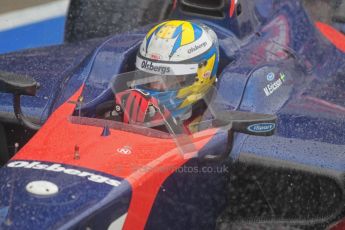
(247, 122)
(18, 85)
(243, 122)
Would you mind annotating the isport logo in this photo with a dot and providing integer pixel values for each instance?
(59, 169)
(153, 67)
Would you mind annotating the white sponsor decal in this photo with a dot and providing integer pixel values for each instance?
(207, 74)
(126, 150)
(261, 127)
(165, 68)
(150, 66)
(270, 76)
(58, 168)
(272, 87)
(156, 56)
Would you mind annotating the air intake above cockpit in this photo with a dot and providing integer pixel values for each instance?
(211, 8)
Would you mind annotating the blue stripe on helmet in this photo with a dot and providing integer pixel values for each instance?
(177, 32)
(176, 45)
(205, 56)
(197, 31)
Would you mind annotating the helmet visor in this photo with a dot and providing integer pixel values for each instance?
(148, 81)
(163, 82)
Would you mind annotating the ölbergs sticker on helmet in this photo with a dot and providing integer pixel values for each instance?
(150, 66)
(165, 68)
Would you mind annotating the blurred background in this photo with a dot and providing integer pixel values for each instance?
(31, 23)
(35, 23)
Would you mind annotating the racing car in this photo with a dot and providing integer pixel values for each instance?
(268, 151)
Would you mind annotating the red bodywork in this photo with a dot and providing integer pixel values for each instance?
(150, 162)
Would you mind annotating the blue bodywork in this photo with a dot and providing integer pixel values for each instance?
(273, 42)
(72, 206)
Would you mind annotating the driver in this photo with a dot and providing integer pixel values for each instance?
(176, 67)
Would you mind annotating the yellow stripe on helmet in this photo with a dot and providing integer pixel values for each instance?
(175, 23)
(187, 37)
(198, 90)
(154, 29)
(166, 32)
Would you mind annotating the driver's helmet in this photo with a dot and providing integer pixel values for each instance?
(182, 59)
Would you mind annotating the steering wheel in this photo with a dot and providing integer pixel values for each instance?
(133, 106)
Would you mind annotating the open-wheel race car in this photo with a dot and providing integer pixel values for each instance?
(90, 137)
